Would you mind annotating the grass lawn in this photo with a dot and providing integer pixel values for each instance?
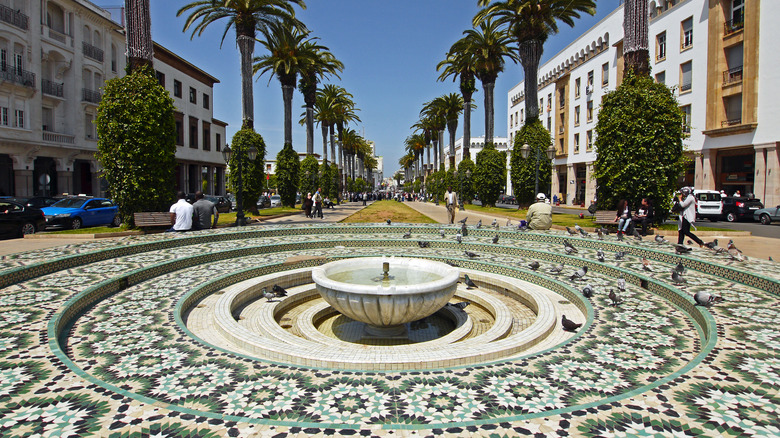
(230, 218)
(92, 230)
(381, 211)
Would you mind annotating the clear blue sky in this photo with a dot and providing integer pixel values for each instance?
(389, 48)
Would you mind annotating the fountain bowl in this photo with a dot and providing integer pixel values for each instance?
(417, 288)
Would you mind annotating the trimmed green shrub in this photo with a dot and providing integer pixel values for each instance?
(490, 174)
(523, 175)
(288, 169)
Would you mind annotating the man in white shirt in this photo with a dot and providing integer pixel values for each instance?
(182, 211)
(452, 201)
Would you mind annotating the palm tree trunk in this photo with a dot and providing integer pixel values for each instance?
(333, 155)
(452, 126)
(435, 161)
(324, 128)
(466, 124)
(429, 168)
(635, 42)
(287, 96)
(309, 130)
(489, 111)
(441, 149)
(139, 33)
(246, 46)
(530, 53)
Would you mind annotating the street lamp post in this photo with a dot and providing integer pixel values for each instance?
(227, 154)
(460, 187)
(525, 151)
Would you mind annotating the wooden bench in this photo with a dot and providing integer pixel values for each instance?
(153, 219)
(605, 217)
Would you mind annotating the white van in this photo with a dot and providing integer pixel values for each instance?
(709, 204)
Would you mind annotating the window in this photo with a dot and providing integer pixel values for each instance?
(577, 115)
(511, 119)
(161, 78)
(737, 11)
(577, 88)
(561, 98)
(89, 127)
(549, 101)
(205, 101)
(206, 136)
(18, 63)
(18, 118)
(576, 143)
(218, 142)
(3, 60)
(687, 119)
(541, 104)
(193, 132)
(522, 116)
(3, 115)
(733, 106)
(605, 74)
(176, 88)
(113, 59)
(589, 145)
(660, 46)
(590, 81)
(687, 34)
(660, 77)
(549, 123)
(685, 77)
(590, 111)
(193, 95)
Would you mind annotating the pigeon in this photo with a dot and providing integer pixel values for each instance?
(637, 236)
(569, 325)
(469, 284)
(578, 228)
(571, 232)
(584, 233)
(495, 239)
(614, 297)
(461, 305)
(479, 224)
(459, 238)
(604, 231)
(534, 265)
(570, 249)
(712, 245)
(680, 269)
(771, 259)
(587, 291)
(600, 234)
(620, 236)
(680, 249)
(423, 244)
(678, 278)
(463, 221)
(659, 239)
(388, 222)
(441, 232)
(557, 269)
(279, 291)
(579, 274)
(705, 299)
(734, 252)
(464, 230)
(268, 295)
(408, 234)
(646, 264)
(600, 256)
(621, 284)
(619, 255)
(494, 223)
(509, 222)
(471, 254)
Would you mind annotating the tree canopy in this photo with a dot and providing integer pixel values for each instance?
(288, 169)
(490, 174)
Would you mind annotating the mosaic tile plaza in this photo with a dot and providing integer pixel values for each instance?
(166, 335)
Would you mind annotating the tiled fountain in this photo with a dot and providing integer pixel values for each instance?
(172, 335)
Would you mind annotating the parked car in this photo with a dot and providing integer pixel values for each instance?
(264, 202)
(507, 199)
(36, 201)
(740, 208)
(74, 213)
(17, 219)
(224, 205)
(276, 201)
(767, 215)
(709, 204)
(232, 198)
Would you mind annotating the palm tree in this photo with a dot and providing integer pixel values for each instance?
(489, 46)
(139, 34)
(415, 144)
(459, 64)
(323, 115)
(530, 22)
(322, 64)
(246, 16)
(291, 51)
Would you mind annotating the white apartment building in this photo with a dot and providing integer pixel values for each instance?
(55, 56)
(709, 53)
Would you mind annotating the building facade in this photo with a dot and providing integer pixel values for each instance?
(55, 56)
(715, 56)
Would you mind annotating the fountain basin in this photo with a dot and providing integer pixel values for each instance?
(417, 288)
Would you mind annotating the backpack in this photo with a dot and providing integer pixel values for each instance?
(676, 207)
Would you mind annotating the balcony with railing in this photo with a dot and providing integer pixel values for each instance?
(733, 26)
(732, 75)
(17, 76)
(91, 96)
(92, 52)
(14, 18)
(52, 88)
(56, 137)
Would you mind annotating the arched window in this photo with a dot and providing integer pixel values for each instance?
(113, 58)
(96, 40)
(87, 35)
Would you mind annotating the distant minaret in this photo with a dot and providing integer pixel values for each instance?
(635, 45)
(139, 33)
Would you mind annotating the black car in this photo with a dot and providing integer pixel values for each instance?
(17, 219)
(36, 201)
(740, 208)
(507, 199)
(264, 202)
(223, 204)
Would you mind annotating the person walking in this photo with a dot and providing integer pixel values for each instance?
(204, 209)
(182, 214)
(452, 201)
(539, 214)
(308, 203)
(687, 216)
(318, 203)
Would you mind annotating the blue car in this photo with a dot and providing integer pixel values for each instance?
(74, 213)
